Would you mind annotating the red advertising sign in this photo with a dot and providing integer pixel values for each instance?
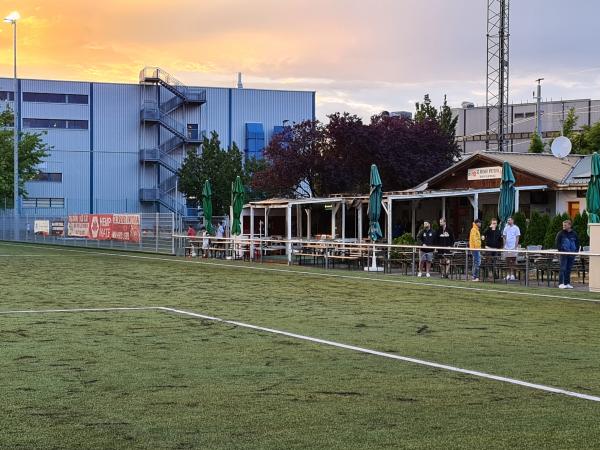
(104, 227)
(126, 227)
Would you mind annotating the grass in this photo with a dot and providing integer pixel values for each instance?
(142, 379)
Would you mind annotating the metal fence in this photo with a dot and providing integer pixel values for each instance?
(529, 267)
(157, 231)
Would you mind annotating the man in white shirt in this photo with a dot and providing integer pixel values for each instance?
(511, 236)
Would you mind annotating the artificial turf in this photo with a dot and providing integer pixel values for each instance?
(147, 379)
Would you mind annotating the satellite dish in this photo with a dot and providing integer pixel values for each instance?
(561, 147)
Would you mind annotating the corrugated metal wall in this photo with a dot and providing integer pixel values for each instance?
(100, 166)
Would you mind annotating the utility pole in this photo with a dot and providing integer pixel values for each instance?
(12, 19)
(538, 110)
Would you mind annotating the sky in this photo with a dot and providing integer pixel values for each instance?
(359, 56)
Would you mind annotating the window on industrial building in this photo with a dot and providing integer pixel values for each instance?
(77, 124)
(49, 97)
(529, 114)
(192, 131)
(7, 95)
(255, 140)
(70, 124)
(44, 97)
(53, 177)
(43, 202)
(79, 99)
(519, 115)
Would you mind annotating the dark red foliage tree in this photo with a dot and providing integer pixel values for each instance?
(315, 159)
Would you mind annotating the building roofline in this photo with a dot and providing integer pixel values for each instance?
(138, 84)
(533, 103)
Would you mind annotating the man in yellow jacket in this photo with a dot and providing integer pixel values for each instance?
(475, 245)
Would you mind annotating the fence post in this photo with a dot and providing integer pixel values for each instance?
(172, 233)
(466, 265)
(526, 268)
(413, 260)
(156, 230)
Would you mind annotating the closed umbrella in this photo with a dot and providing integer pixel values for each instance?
(592, 198)
(237, 194)
(373, 211)
(207, 206)
(506, 202)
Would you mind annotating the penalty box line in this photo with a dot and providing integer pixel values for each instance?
(421, 362)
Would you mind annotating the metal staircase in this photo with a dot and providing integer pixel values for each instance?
(154, 113)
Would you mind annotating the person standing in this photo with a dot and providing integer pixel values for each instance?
(566, 241)
(427, 239)
(511, 236)
(444, 238)
(475, 245)
(492, 237)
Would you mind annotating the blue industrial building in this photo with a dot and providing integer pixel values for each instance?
(117, 147)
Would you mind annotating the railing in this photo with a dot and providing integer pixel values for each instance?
(170, 144)
(156, 233)
(541, 266)
(156, 74)
(155, 155)
(168, 184)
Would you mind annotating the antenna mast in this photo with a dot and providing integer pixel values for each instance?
(496, 97)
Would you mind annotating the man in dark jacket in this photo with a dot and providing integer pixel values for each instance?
(444, 238)
(426, 238)
(566, 241)
(492, 237)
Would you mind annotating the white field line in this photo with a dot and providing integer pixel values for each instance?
(73, 310)
(508, 293)
(421, 362)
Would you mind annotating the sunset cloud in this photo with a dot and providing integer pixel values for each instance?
(360, 56)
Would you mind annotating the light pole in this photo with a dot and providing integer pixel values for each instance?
(12, 19)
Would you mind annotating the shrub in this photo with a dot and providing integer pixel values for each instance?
(580, 226)
(537, 228)
(553, 229)
(405, 239)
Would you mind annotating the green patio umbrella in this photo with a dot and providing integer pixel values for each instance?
(506, 202)
(592, 198)
(374, 209)
(207, 206)
(237, 193)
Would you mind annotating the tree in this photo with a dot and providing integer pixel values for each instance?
(32, 151)
(580, 225)
(316, 159)
(294, 162)
(570, 123)
(536, 145)
(536, 231)
(591, 139)
(219, 166)
(553, 229)
(425, 111)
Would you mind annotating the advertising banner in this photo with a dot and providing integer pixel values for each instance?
(41, 227)
(78, 226)
(484, 173)
(126, 227)
(104, 227)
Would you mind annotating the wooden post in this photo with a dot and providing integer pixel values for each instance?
(288, 221)
(359, 211)
(308, 223)
(251, 232)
